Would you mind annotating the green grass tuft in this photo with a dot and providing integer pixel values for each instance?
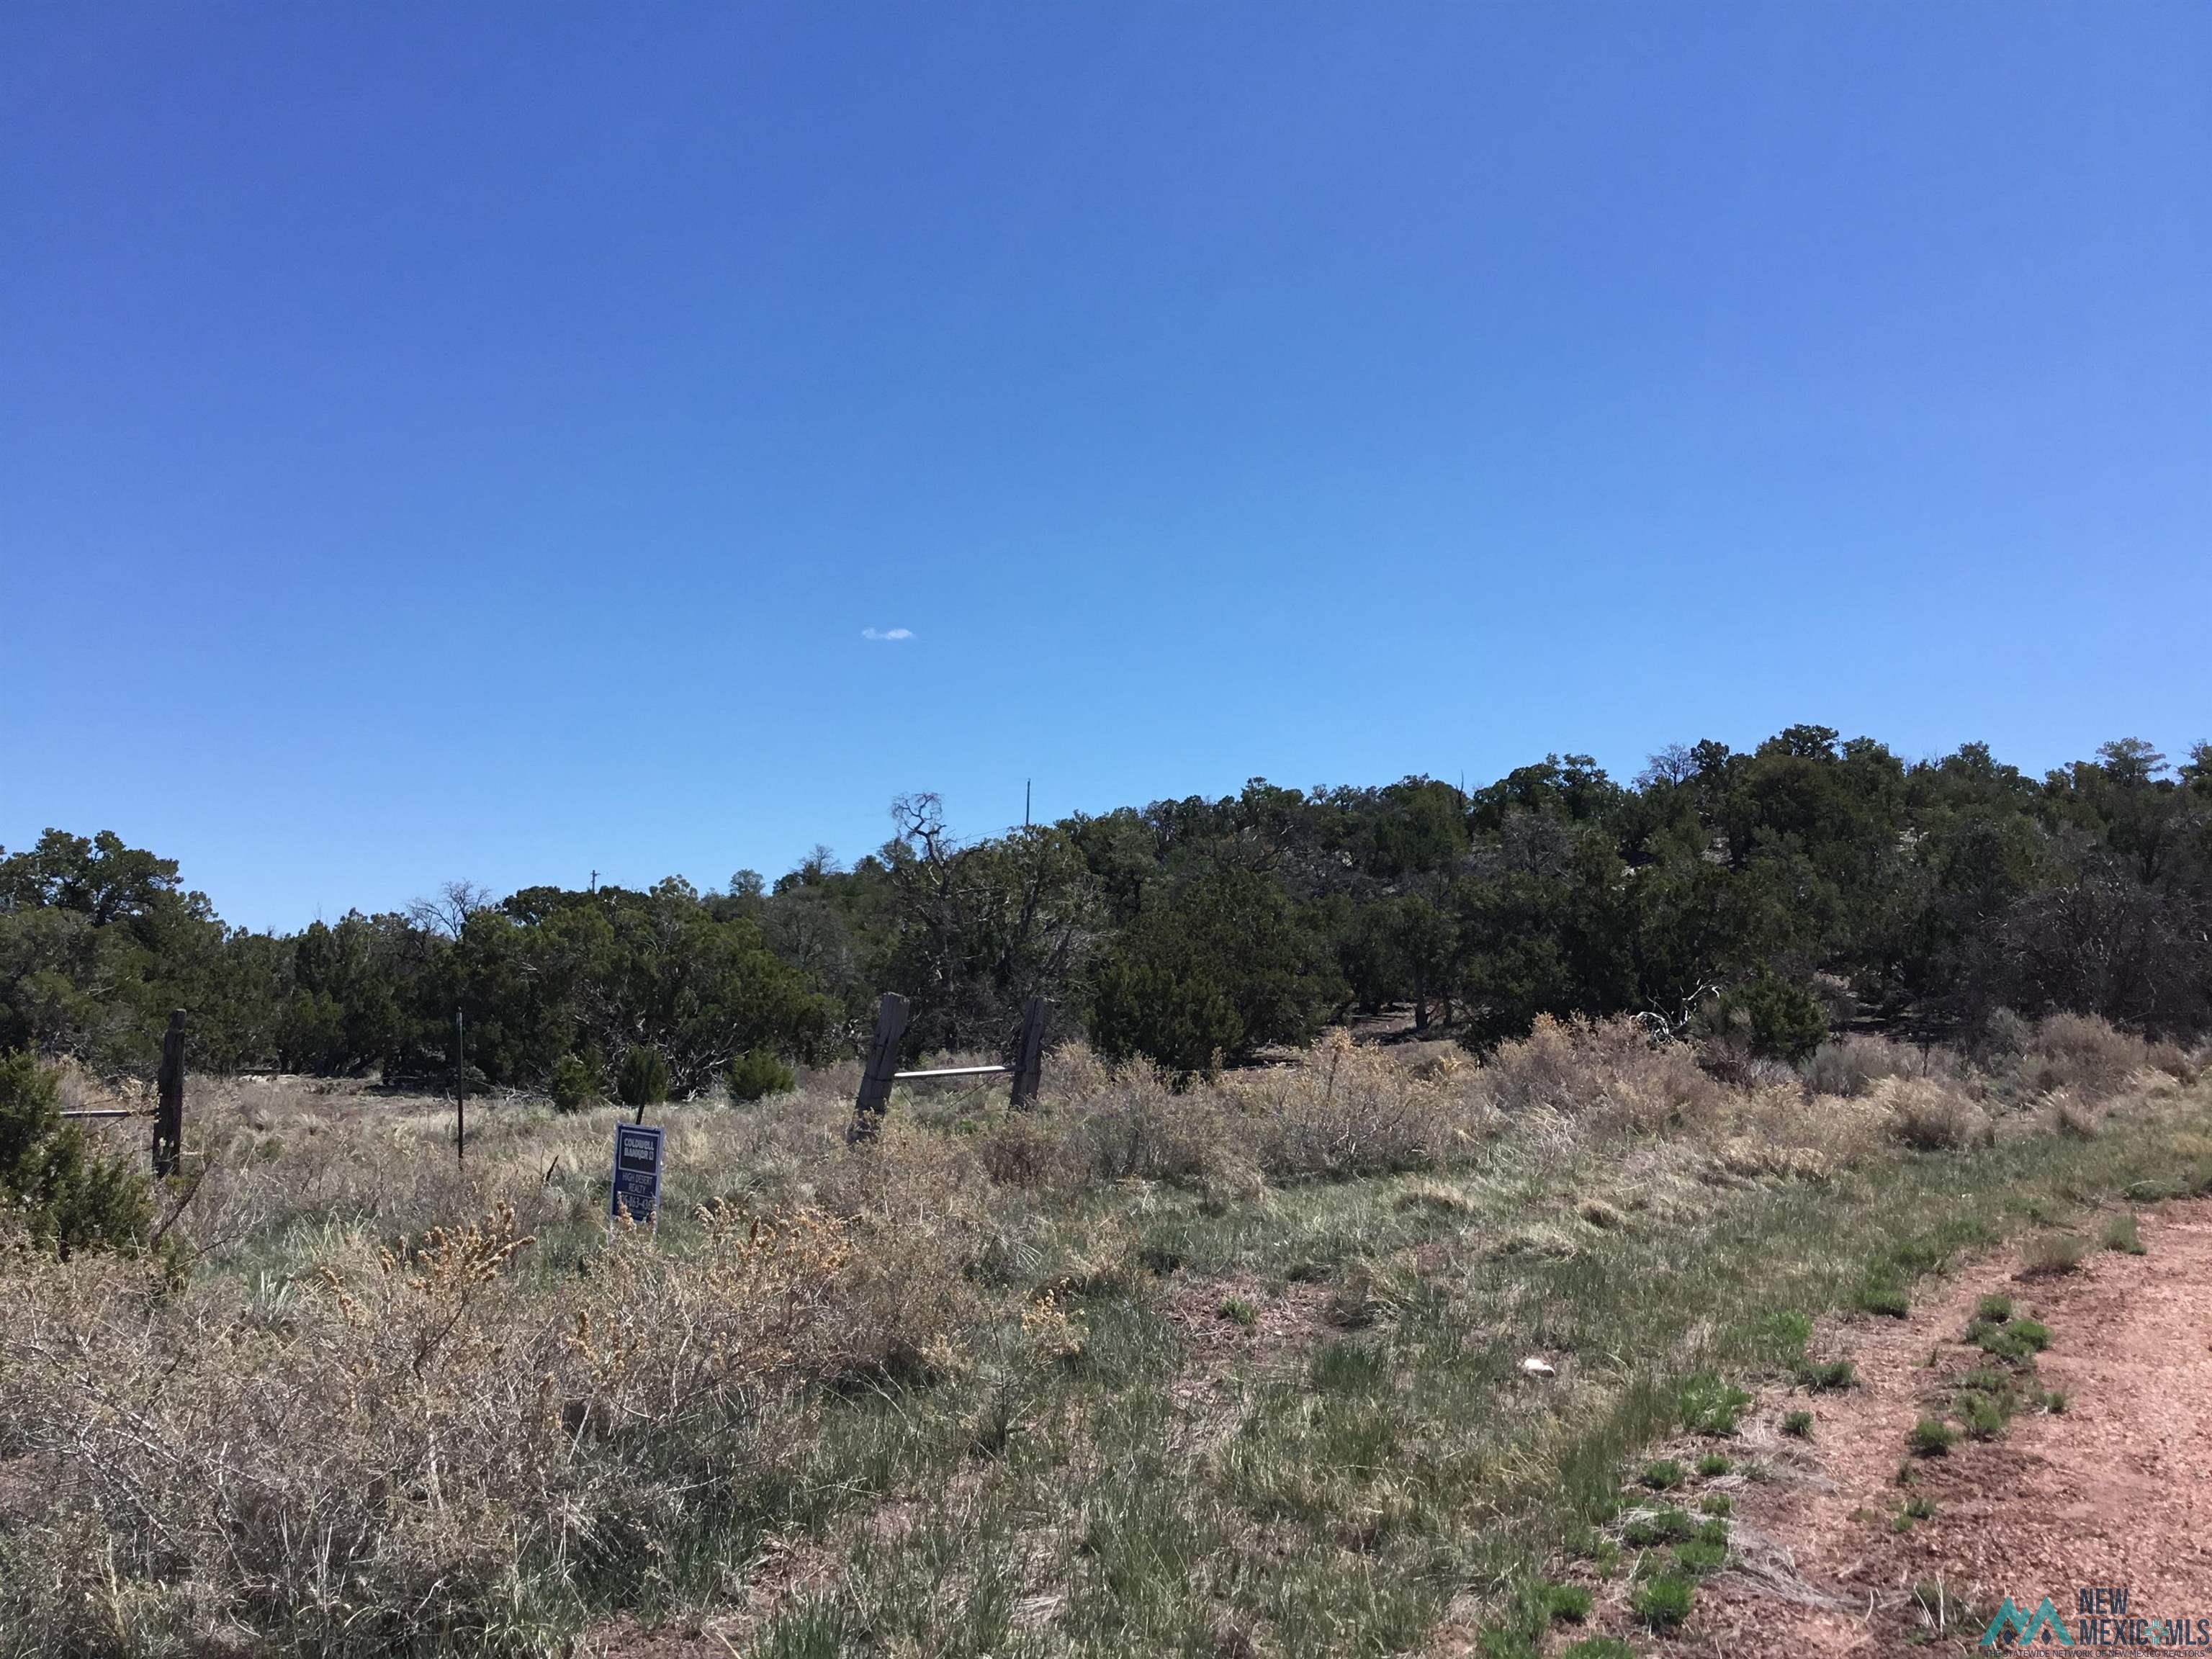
(1700, 1556)
(1660, 1526)
(1932, 1437)
(1710, 1406)
(1798, 1425)
(1663, 1475)
(1663, 1602)
(2122, 1234)
(1570, 1603)
(1829, 1375)
(1884, 1296)
(1599, 1647)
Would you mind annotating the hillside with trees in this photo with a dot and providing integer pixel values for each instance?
(1762, 897)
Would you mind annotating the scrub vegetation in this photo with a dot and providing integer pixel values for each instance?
(1424, 1181)
(1165, 1365)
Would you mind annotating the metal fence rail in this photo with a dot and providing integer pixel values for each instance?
(882, 1070)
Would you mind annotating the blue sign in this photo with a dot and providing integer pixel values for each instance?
(637, 1172)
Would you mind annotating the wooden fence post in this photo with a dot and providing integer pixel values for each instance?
(169, 1115)
(1028, 1057)
(875, 1097)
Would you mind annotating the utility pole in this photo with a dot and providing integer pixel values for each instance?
(595, 881)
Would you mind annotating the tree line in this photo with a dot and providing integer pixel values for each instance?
(1773, 894)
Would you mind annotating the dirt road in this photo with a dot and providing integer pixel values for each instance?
(2115, 1492)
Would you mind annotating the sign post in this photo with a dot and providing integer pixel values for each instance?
(636, 1187)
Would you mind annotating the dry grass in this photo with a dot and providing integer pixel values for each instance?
(388, 1402)
(1932, 1116)
(2091, 1059)
(1604, 1073)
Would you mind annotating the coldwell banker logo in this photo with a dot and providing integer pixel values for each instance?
(2101, 1620)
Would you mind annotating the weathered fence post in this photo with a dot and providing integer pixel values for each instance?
(1028, 1057)
(875, 1096)
(169, 1115)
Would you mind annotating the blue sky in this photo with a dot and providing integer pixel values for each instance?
(444, 441)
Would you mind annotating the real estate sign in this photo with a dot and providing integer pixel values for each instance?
(637, 1172)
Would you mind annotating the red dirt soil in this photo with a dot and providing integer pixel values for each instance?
(2116, 1492)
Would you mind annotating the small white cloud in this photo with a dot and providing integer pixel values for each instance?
(887, 632)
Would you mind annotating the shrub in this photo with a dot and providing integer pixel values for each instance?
(1603, 1070)
(1598, 1647)
(643, 1079)
(2001, 1036)
(755, 1074)
(2049, 1255)
(530, 1404)
(1852, 1066)
(1798, 1425)
(1931, 1438)
(1930, 1116)
(1830, 1375)
(1662, 1602)
(2018, 1340)
(1019, 1149)
(1983, 1414)
(1134, 1124)
(574, 1084)
(1780, 1020)
(1716, 1503)
(2089, 1059)
(1220, 966)
(1997, 1308)
(68, 1198)
(1343, 1110)
(2122, 1234)
(1712, 1465)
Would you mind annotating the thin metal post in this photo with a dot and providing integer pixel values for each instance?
(460, 1087)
